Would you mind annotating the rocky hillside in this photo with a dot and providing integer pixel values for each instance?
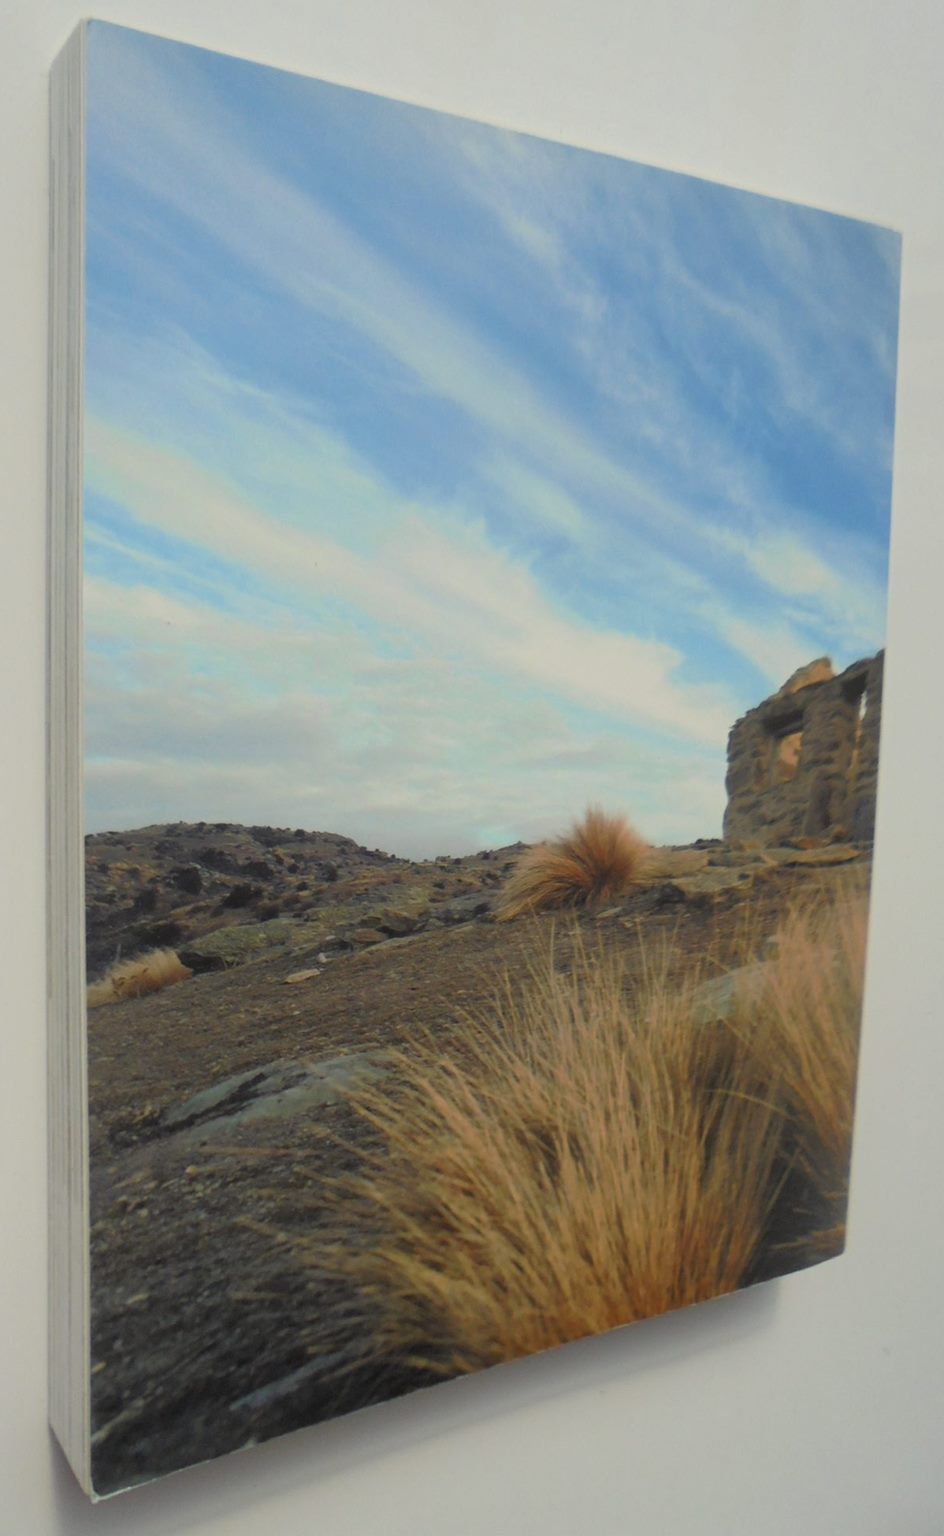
(221, 894)
(217, 1105)
(218, 893)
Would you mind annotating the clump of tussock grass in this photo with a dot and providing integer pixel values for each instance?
(587, 1161)
(597, 860)
(588, 1155)
(804, 1029)
(150, 972)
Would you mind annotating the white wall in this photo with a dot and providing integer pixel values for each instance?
(813, 1406)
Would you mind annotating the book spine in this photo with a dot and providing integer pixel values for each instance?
(69, 1361)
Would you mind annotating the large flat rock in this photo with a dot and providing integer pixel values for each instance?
(721, 997)
(709, 883)
(237, 943)
(812, 858)
(665, 863)
(275, 1091)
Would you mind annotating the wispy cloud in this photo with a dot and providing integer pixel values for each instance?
(428, 582)
(810, 299)
(438, 478)
(322, 264)
(276, 727)
(304, 473)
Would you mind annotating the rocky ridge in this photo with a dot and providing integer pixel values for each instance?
(220, 893)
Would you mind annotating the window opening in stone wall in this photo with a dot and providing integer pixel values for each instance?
(786, 747)
(863, 704)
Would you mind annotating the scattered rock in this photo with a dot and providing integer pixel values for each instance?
(464, 908)
(651, 899)
(838, 853)
(719, 999)
(233, 945)
(664, 863)
(230, 1092)
(136, 1126)
(277, 1090)
(297, 977)
(396, 922)
(835, 853)
(705, 886)
(737, 858)
(366, 936)
(412, 938)
(713, 882)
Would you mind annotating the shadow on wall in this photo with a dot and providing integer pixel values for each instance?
(233, 1484)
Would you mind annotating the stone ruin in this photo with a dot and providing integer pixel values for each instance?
(804, 764)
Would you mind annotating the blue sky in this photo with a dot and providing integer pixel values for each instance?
(441, 480)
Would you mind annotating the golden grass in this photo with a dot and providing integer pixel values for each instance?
(592, 1156)
(805, 1026)
(597, 860)
(150, 972)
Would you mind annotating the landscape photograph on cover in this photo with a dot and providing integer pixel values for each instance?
(485, 558)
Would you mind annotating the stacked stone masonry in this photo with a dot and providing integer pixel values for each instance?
(804, 764)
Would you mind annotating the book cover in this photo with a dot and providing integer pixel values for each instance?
(484, 549)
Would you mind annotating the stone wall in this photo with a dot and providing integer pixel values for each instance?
(804, 764)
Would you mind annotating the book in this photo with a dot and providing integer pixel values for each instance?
(467, 567)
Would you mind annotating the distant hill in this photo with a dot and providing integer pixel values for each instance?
(177, 883)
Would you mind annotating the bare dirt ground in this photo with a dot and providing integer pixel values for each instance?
(207, 1332)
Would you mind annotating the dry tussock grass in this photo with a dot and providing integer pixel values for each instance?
(805, 1029)
(597, 860)
(150, 972)
(594, 1156)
